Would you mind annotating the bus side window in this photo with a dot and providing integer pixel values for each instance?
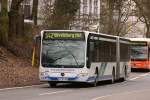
(97, 51)
(90, 53)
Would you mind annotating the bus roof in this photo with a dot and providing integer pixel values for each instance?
(140, 39)
(63, 30)
(110, 37)
(80, 31)
(123, 39)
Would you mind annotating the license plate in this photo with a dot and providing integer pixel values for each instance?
(62, 79)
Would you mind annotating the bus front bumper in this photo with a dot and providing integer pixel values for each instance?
(69, 79)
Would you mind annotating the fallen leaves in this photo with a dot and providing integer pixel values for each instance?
(15, 71)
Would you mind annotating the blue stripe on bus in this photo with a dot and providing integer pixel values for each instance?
(92, 78)
(71, 79)
(57, 78)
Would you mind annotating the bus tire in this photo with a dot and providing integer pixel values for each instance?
(113, 76)
(124, 75)
(52, 84)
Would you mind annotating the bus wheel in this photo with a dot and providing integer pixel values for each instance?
(124, 75)
(52, 84)
(113, 76)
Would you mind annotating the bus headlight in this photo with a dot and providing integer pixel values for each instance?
(82, 74)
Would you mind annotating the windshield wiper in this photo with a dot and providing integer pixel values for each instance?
(70, 54)
(59, 55)
(63, 56)
(73, 56)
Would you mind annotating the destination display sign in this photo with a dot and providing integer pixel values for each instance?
(63, 36)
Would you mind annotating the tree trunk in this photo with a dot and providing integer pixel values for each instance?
(12, 24)
(13, 18)
(35, 11)
(3, 22)
(20, 24)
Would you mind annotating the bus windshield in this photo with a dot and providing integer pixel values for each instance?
(63, 53)
(139, 53)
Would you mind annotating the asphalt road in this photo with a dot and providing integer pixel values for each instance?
(137, 87)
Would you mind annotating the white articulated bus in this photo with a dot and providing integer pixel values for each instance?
(82, 56)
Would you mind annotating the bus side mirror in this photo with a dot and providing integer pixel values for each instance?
(37, 39)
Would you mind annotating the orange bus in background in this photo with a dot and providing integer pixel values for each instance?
(140, 53)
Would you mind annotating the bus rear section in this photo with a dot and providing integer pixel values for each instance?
(108, 57)
(140, 53)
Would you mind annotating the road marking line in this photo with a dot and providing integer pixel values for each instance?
(143, 75)
(105, 96)
(117, 94)
(13, 88)
(134, 78)
(56, 92)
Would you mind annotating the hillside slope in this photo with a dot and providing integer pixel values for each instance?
(15, 71)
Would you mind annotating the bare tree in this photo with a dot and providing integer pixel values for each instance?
(123, 9)
(13, 18)
(143, 13)
(60, 14)
(114, 16)
(46, 12)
